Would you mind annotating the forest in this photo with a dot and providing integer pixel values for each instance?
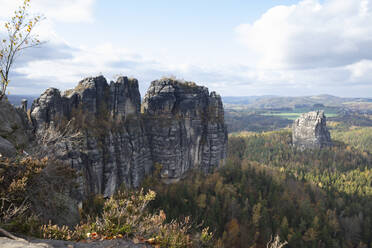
(310, 198)
(319, 198)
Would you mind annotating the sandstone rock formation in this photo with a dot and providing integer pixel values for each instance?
(185, 126)
(106, 142)
(310, 131)
(98, 129)
(17, 141)
(15, 131)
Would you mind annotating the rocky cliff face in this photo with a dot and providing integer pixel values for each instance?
(185, 126)
(310, 131)
(15, 131)
(98, 129)
(99, 132)
(92, 96)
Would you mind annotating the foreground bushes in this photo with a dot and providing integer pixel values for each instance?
(124, 216)
(33, 191)
(16, 178)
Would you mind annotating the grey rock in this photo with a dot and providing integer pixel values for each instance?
(24, 105)
(46, 108)
(9, 243)
(91, 96)
(113, 150)
(14, 125)
(6, 148)
(16, 134)
(310, 131)
(182, 128)
(186, 127)
(125, 97)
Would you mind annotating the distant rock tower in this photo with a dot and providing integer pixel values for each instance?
(310, 131)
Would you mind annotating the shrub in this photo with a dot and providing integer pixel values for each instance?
(15, 178)
(32, 191)
(124, 215)
(50, 231)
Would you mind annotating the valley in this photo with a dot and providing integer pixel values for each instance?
(310, 198)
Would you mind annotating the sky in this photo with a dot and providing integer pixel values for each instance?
(234, 47)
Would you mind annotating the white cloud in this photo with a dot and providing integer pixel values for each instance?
(361, 72)
(55, 10)
(56, 62)
(302, 49)
(55, 49)
(313, 47)
(63, 66)
(311, 35)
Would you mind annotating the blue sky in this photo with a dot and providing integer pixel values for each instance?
(188, 31)
(166, 20)
(235, 47)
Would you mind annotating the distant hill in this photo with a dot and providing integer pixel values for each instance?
(267, 102)
(244, 99)
(279, 102)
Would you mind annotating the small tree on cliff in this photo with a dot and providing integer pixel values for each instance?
(18, 36)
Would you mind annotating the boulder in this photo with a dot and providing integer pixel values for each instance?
(14, 128)
(6, 148)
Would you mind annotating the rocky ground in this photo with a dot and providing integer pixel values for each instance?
(10, 243)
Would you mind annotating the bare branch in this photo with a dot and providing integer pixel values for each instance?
(9, 235)
(8, 211)
(30, 46)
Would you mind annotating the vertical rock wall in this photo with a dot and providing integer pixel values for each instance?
(310, 131)
(186, 128)
(98, 129)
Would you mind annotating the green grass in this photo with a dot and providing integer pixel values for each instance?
(289, 116)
